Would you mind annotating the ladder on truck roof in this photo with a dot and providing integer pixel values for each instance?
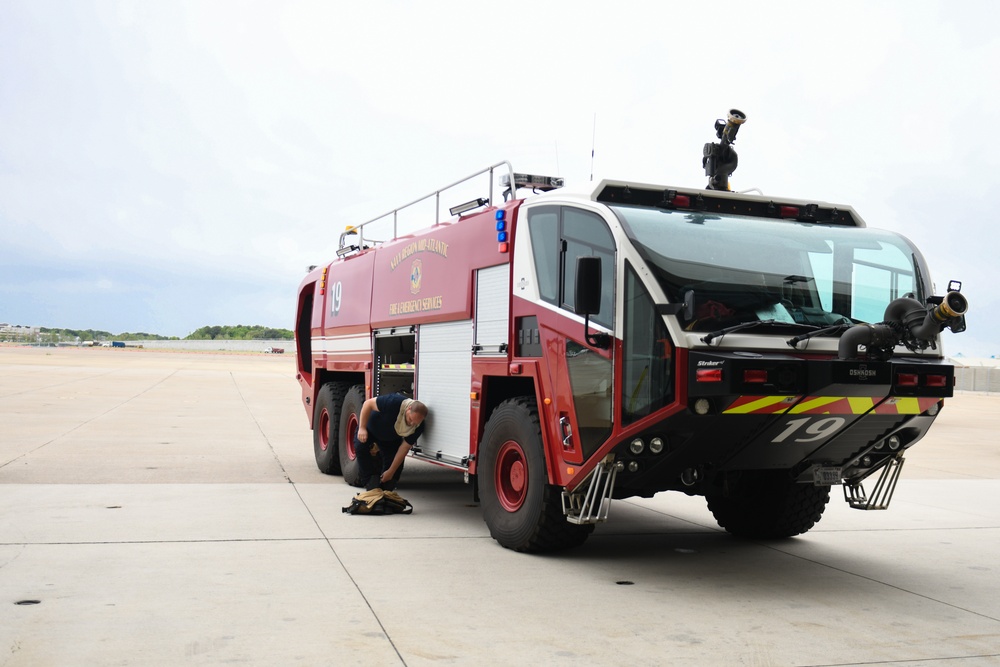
(511, 180)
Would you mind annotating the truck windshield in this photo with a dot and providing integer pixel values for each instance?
(733, 269)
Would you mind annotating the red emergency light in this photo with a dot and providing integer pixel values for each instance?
(708, 375)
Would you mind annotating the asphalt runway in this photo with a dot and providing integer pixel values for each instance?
(163, 508)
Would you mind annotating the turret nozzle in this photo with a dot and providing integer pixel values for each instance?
(720, 159)
(953, 305)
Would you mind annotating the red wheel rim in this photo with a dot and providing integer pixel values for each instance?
(324, 430)
(511, 476)
(352, 432)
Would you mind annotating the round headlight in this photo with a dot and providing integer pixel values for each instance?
(894, 442)
(656, 445)
(633, 466)
(636, 446)
(702, 406)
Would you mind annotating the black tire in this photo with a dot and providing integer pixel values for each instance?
(522, 510)
(326, 426)
(768, 504)
(350, 416)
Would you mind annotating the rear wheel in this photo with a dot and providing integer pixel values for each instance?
(350, 416)
(326, 426)
(522, 510)
(768, 504)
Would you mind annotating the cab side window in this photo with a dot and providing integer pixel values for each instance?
(560, 235)
(543, 225)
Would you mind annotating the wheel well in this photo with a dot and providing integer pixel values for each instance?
(303, 330)
(496, 390)
(324, 376)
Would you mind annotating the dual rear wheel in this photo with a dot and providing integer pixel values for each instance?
(335, 424)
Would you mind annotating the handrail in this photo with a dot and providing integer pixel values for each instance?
(358, 229)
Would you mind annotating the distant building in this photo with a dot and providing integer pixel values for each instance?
(18, 331)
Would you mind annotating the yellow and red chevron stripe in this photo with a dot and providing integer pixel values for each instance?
(828, 405)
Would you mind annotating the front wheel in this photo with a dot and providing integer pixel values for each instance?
(522, 510)
(768, 504)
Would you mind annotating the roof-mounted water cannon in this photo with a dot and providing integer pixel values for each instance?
(720, 159)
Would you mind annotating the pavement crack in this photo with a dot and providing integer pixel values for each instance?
(260, 428)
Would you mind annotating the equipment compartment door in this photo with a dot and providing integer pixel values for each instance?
(444, 378)
(492, 310)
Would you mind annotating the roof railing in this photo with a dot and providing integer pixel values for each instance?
(345, 249)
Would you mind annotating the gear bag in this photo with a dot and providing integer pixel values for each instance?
(395, 503)
(378, 502)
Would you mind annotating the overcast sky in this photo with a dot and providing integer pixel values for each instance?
(170, 165)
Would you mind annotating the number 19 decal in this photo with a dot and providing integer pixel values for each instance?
(817, 430)
(338, 291)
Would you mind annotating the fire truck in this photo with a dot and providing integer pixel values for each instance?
(576, 347)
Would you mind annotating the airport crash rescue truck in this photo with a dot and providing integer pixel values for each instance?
(577, 348)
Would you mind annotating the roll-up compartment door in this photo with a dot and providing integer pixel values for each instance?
(492, 311)
(444, 379)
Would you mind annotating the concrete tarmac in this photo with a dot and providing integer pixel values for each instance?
(163, 508)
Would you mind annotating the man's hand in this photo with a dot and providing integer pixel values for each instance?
(388, 475)
(367, 408)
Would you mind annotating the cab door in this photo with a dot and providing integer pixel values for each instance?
(581, 375)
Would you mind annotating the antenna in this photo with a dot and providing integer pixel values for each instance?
(593, 142)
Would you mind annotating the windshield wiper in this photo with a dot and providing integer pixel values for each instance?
(793, 342)
(814, 329)
(708, 338)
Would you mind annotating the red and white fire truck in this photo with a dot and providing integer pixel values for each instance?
(575, 348)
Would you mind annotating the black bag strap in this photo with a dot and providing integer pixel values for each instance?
(396, 504)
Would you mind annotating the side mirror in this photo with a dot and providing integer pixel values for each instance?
(588, 286)
(588, 297)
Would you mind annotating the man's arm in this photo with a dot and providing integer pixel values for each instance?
(366, 412)
(397, 461)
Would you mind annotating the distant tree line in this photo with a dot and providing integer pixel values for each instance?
(238, 332)
(69, 335)
(241, 332)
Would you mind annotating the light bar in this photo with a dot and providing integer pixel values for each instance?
(543, 183)
(468, 206)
